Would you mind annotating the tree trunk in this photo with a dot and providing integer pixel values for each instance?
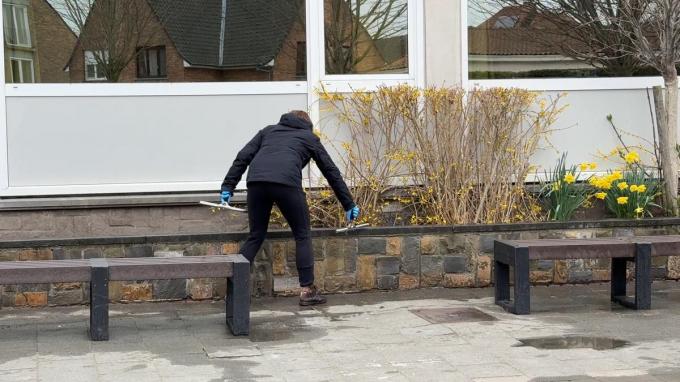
(668, 138)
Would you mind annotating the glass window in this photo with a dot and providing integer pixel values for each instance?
(366, 36)
(94, 65)
(204, 40)
(151, 63)
(544, 39)
(22, 70)
(16, 28)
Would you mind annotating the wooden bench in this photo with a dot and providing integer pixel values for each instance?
(98, 272)
(518, 253)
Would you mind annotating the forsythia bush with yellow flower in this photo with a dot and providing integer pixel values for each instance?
(435, 155)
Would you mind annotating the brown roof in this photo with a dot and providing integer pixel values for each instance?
(506, 42)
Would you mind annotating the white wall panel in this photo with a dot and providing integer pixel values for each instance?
(79, 141)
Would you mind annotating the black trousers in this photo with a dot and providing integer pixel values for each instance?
(293, 205)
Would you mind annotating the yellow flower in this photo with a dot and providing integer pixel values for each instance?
(593, 165)
(633, 188)
(622, 186)
(569, 178)
(622, 200)
(601, 195)
(639, 210)
(641, 188)
(584, 166)
(556, 185)
(632, 157)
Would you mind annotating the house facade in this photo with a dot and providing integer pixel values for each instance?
(208, 78)
(29, 58)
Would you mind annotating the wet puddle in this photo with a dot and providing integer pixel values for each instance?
(573, 342)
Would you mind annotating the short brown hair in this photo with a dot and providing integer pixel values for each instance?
(302, 115)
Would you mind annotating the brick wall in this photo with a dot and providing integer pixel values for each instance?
(54, 43)
(372, 259)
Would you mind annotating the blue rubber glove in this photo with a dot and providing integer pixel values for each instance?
(225, 197)
(352, 214)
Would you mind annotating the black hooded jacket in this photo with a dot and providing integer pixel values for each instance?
(278, 153)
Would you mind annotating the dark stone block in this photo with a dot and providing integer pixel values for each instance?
(455, 264)
(139, 251)
(169, 289)
(388, 265)
(33, 288)
(581, 276)
(659, 273)
(92, 253)
(544, 265)
(486, 242)
(372, 245)
(410, 255)
(60, 253)
(431, 265)
(388, 282)
(65, 297)
(319, 249)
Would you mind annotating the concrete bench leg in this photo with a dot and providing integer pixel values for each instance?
(238, 299)
(501, 282)
(99, 301)
(643, 276)
(618, 285)
(522, 288)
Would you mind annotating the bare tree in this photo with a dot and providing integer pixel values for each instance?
(114, 30)
(657, 44)
(584, 30)
(353, 25)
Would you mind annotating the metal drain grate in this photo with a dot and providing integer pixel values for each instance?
(451, 315)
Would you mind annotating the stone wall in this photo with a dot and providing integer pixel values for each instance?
(370, 259)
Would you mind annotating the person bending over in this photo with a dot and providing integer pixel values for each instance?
(275, 158)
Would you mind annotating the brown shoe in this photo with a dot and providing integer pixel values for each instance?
(311, 296)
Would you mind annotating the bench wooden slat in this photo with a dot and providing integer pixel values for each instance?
(44, 272)
(662, 245)
(153, 268)
(557, 249)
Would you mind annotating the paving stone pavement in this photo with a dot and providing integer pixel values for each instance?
(356, 337)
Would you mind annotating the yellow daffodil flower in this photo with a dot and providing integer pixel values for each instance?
(622, 200)
(633, 188)
(601, 195)
(639, 210)
(622, 186)
(593, 165)
(632, 157)
(584, 166)
(569, 178)
(641, 188)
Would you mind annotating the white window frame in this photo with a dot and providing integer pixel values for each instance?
(89, 59)
(315, 79)
(14, 7)
(545, 84)
(21, 73)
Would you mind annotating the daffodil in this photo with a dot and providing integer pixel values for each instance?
(593, 165)
(601, 195)
(556, 185)
(622, 186)
(617, 175)
(633, 188)
(622, 200)
(569, 178)
(584, 166)
(641, 188)
(632, 157)
(639, 210)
